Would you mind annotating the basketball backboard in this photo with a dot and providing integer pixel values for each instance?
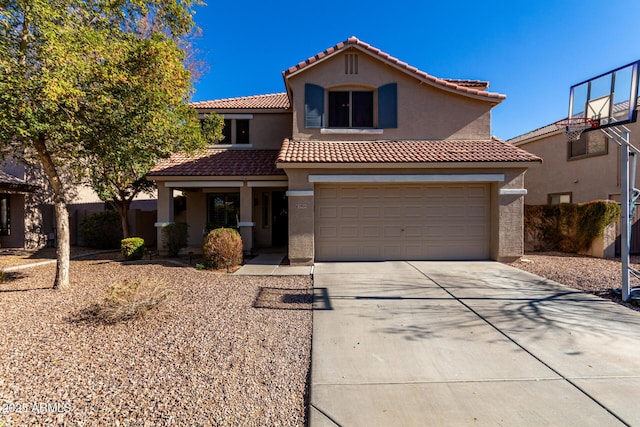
(609, 99)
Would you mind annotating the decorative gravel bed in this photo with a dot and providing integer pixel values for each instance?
(593, 275)
(206, 356)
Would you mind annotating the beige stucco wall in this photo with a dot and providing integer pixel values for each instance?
(267, 131)
(507, 238)
(424, 111)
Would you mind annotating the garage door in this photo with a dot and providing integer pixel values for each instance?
(402, 222)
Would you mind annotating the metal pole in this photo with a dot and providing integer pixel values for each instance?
(624, 218)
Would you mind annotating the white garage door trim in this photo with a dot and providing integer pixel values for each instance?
(395, 221)
(426, 178)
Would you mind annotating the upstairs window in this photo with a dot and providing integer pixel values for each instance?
(226, 131)
(235, 131)
(242, 132)
(589, 144)
(351, 109)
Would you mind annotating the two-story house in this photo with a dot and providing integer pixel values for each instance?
(364, 157)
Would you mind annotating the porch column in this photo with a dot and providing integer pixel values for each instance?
(165, 213)
(246, 218)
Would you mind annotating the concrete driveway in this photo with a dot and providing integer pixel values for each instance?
(467, 343)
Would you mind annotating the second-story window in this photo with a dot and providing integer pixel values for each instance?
(242, 131)
(236, 131)
(350, 109)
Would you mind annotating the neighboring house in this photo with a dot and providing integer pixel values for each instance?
(12, 210)
(576, 171)
(33, 218)
(363, 158)
(573, 171)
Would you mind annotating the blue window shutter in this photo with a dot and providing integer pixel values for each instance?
(313, 106)
(388, 106)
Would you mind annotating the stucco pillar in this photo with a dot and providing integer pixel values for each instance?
(246, 218)
(301, 227)
(165, 213)
(510, 196)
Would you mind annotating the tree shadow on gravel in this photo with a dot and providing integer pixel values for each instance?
(10, 282)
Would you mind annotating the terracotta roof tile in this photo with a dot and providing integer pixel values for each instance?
(461, 86)
(271, 101)
(536, 133)
(402, 152)
(220, 162)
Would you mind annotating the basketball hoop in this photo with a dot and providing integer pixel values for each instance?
(574, 126)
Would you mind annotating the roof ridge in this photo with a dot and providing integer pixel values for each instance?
(235, 98)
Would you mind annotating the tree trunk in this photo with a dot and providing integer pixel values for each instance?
(122, 206)
(62, 245)
(62, 215)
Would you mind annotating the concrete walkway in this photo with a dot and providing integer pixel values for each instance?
(467, 343)
(268, 264)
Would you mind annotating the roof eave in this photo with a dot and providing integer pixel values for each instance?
(536, 138)
(412, 165)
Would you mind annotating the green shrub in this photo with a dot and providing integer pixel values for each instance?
(132, 248)
(102, 230)
(569, 227)
(175, 237)
(222, 248)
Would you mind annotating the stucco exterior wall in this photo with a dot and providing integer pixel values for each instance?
(267, 131)
(510, 217)
(424, 111)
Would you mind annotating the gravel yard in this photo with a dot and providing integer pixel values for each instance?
(593, 275)
(220, 350)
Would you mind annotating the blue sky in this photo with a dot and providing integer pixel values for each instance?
(532, 51)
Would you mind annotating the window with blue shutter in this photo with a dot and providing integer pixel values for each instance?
(313, 106)
(388, 106)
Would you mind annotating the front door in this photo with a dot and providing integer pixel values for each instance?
(279, 209)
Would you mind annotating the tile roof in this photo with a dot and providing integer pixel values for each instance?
(271, 101)
(220, 162)
(10, 182)
(536, 133)
(460, 86)
(402, 152)
(552, 128)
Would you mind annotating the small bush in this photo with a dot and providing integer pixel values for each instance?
(128, 300)
(175, 237)
(132, 248)
(222, 248)
(102, 230)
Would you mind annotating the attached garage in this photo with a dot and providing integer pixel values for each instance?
(376, 222)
